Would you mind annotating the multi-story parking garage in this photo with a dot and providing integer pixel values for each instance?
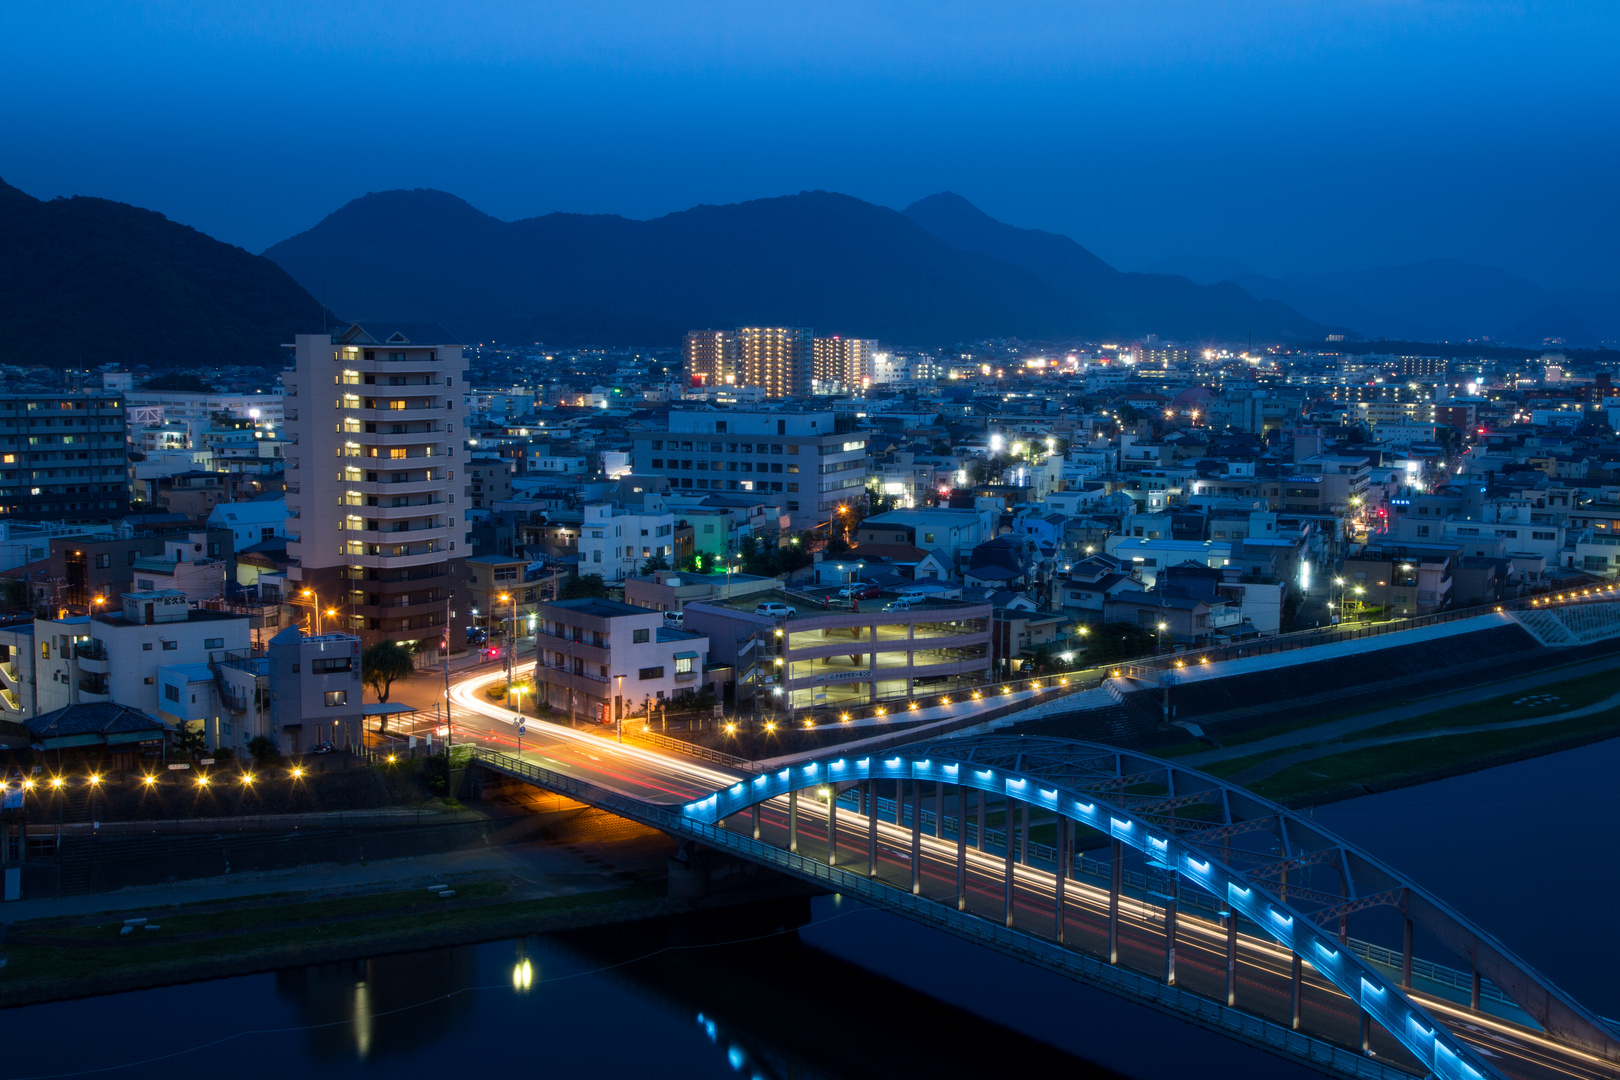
(832, 657)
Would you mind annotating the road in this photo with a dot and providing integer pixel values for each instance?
(1263, 970)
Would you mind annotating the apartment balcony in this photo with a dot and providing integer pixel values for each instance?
(385, 486)
(430, 436)
(94, 688)
(8, 675)
(382, 510)
(9, 700)
(413, 409)
(1218, 619)
(397, 556)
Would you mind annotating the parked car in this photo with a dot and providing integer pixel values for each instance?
(860, 591)
(322, 748)
(898, 605)
(674, 618)
(774, 610)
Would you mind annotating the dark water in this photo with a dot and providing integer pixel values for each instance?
(826, 988)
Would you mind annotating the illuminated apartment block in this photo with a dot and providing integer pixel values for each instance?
(371, 477)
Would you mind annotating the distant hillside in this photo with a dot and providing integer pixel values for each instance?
(1434, 300)
(1114, 303)
(813, 259)
(92, 281)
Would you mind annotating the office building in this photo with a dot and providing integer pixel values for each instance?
(371, 481)
(777, 359)
(63, 457)
(711, 357)
(797, 463)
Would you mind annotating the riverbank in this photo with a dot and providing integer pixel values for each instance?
(1345, 757)
(58, 958)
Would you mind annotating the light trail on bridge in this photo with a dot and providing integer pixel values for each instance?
(1263, 967)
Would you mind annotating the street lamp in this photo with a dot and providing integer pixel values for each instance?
(1158, 639)
(315, 606)
(511, 634)
(618, 706)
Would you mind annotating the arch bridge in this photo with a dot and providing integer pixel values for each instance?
(1155, 882)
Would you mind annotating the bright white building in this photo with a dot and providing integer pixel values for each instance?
(615, 541)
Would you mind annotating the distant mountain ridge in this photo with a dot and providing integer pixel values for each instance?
(939, 273)
(91, 281)
(1433, 300)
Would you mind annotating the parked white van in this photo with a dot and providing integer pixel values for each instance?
(774, 610)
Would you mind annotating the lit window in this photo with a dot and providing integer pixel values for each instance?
(337, 697)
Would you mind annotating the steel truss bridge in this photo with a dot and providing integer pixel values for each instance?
(1212, 905)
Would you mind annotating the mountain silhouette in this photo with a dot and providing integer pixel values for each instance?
(936, 274)
(91, 281)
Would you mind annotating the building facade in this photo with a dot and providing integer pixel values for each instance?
(711, 357)
(841, 362)
(63, 458)
(777, 359)
(371, 479)
(797, 463)
(599, 659)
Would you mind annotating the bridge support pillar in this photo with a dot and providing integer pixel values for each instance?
(939, 809)
(1117, 880)
(793, 821)
(1060, 878)
(1473, 990)
(1023, 832)
(1366, 1032)
(1406, 955)
(916, 838)
(871, 829)
(1007, 878)
(1230, 919)
(961, 847)
(984, 797)
(1170, 941)
(832, 825)
(1297, 988)
(756, 821)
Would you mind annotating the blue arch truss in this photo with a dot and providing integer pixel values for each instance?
(1240, 848)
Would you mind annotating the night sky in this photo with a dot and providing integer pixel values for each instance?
(1291, 136)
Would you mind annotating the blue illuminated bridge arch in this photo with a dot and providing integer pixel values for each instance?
(1294, 881)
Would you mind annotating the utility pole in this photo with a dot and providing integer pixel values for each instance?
(444, 651)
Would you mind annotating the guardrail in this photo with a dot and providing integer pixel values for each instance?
(1145, 989)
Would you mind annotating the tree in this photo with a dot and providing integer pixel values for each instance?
(190, 742)
(264, 750)
(582, 587)
(1118, 641)
(654, 564)
(381, 664)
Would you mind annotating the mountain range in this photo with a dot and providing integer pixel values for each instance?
(88, 281)
(1434, 300)
(939, 272)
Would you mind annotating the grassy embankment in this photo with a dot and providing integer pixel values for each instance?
(49, 959)
(1416, 760)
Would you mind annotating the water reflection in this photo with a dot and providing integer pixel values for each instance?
(375, 996)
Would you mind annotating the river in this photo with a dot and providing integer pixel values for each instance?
(828, 988)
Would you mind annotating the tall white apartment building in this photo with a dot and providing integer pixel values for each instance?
(371, 480)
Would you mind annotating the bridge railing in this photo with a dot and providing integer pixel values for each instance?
(1189, 1006)
(1187, 897)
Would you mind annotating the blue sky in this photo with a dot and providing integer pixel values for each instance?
(1289, 135)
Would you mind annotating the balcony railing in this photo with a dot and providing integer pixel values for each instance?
(90, 650)
(576, 674)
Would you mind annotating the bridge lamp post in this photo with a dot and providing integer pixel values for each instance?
(511, 633)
